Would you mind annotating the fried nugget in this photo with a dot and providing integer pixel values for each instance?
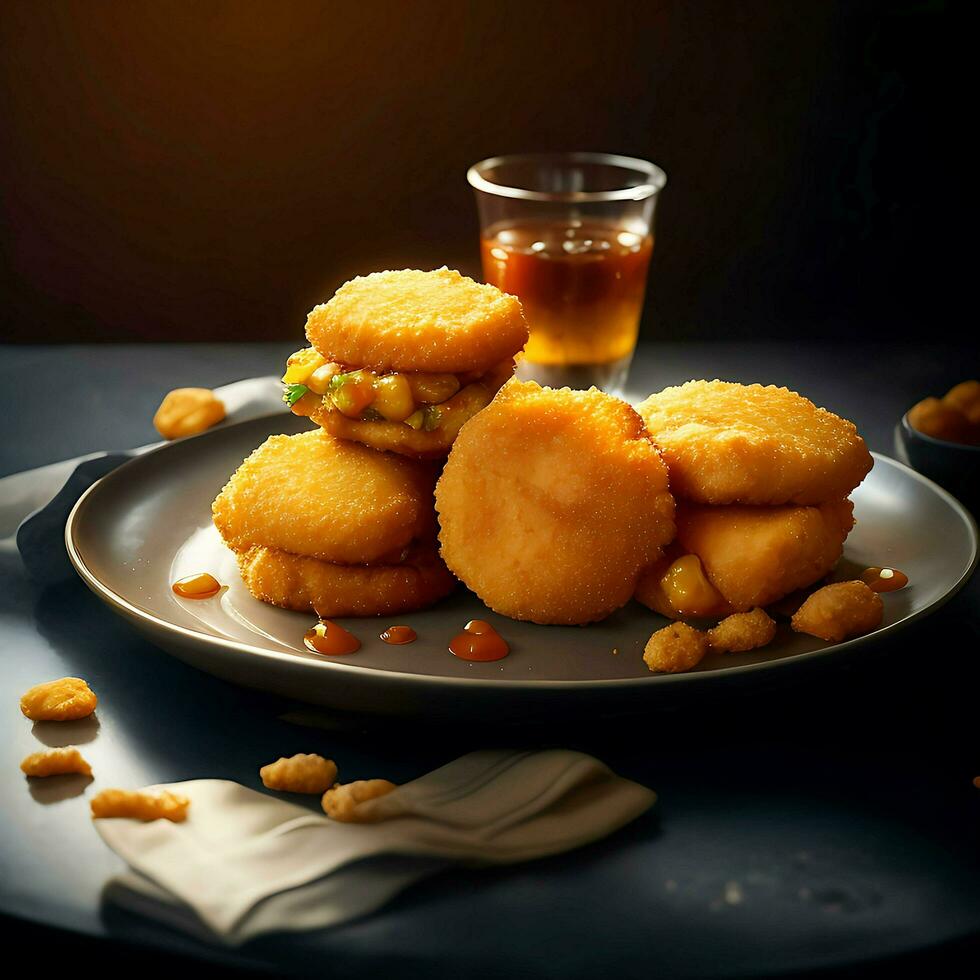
(751, 556)
(330, 590)
(551, 503)
(728, 443)
(838, 611)
(409, 320)
(742, 631)
(314, 495)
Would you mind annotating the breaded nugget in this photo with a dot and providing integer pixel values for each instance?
(551, 503)
(675, 648)
(308, 584)
(742, 631)
(311, 494)
(397, 437)
(728, 443)
(751, 555)
(408, 320)
(838, 611)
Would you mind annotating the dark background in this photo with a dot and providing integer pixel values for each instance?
(212, 170)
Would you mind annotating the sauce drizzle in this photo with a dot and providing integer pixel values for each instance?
(399, 635)
(200, 586)
(884, 579)
(478, 641)
(330, 639)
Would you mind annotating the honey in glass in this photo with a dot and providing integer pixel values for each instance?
(581, 285)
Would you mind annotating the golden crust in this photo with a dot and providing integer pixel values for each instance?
(329, 590)
(838, 611)
(396, 437)
(742, 631)
(728, 443)
(551, 503)
(311, 494)
(408, 320)
(675, 648)
(754, 555)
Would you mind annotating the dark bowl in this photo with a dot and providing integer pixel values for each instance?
(950, 464)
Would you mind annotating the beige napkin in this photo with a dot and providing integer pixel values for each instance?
(245, 863)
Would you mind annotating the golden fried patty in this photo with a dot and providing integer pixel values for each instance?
(728, 443)
(551, 503)
(308, 584)
(409, 320)
(314, 495)
(750, 556)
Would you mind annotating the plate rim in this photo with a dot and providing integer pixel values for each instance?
(154, 623)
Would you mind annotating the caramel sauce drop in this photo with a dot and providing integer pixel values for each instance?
(330, 639)
(884, 579)
(200, 586)
(478, 641)
(399, 635)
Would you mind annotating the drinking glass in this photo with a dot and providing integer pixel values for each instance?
(570, 234)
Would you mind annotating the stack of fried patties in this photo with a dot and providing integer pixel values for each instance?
(761, 477)
(341, 520)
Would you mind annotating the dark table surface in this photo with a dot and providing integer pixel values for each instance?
(828, 823)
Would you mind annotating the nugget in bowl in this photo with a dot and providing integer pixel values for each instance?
(552, 502)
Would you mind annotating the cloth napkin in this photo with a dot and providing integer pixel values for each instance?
(34, 505)
(245, 863)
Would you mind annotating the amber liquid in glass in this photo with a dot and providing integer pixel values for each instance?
(581, 285)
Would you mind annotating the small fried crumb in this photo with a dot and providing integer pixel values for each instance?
(66, 699)
(675, 648)
(742, 631)
(838, 611)
(140, 804)
(300, 774)
(55, 762)
(187, 411)
(341, 802)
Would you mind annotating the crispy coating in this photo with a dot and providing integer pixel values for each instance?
(728, 443)
(301, 773)
(742, 631)
(55, 762)
(756, 555)
(551, 503)
(187, 411)
(675, 648)
(66, 699)
(342, 802)
(838, 611)
(314, 495)
(437, 321)
(396, 437)
(140, 804)
(330, 590)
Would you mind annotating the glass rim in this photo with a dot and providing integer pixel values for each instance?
(655, 178)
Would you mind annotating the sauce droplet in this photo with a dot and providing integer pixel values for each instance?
(478, 641)
(399, 635)
(884, 579)
(200, 586)
(330, 639)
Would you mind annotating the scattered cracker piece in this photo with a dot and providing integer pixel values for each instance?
(300, 774)
(140, 804)
(66, 699)
(838, 611)
(742, 631)
(55, 762)
(187, 411)
(675, 648)
(341, 802)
